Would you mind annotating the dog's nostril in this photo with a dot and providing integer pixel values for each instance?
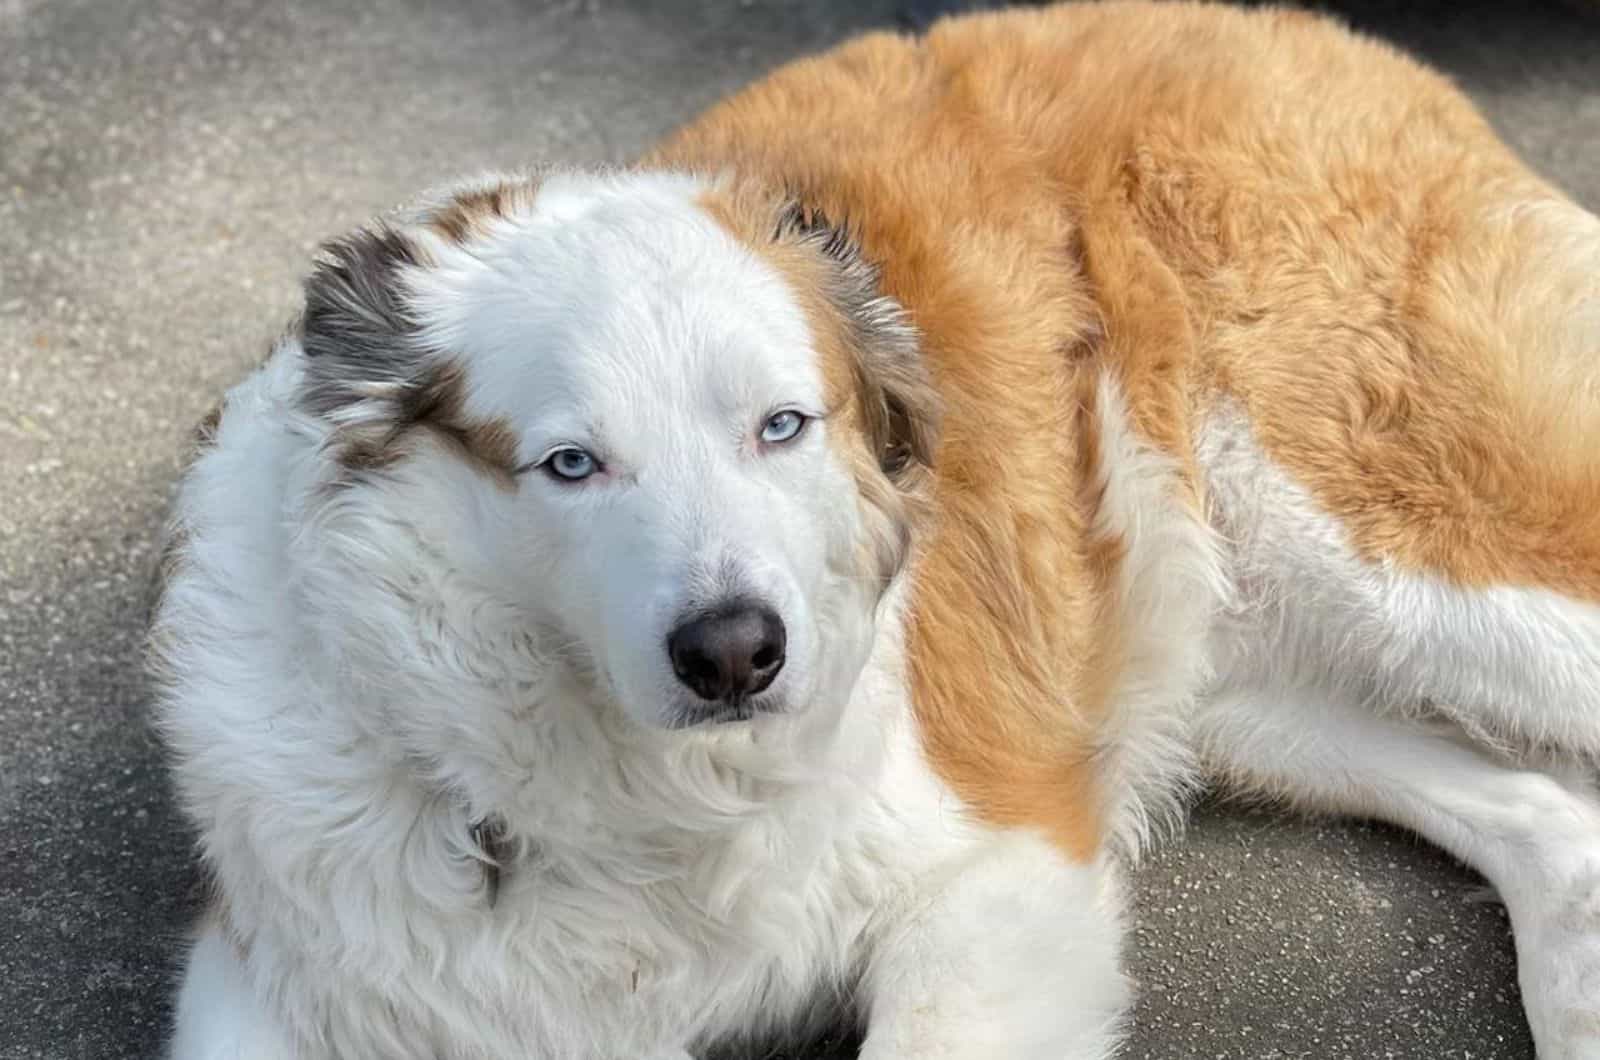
(729, 653)
(701, 667)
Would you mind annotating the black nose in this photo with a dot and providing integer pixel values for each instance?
(728, 653)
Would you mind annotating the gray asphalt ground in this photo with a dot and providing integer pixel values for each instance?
(166, 168)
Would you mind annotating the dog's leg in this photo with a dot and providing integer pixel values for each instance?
(1014, 954)
(1534, 837)
(217, 1018)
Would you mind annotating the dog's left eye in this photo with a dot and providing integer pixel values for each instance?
(783, 427)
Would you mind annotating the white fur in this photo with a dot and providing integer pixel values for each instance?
(969, 973)
(1325, 661)
(357, 674)
(222, 1019)
(1170, 586)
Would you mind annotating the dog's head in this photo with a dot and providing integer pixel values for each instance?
(664, 431)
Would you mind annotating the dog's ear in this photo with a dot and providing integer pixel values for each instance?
(369, 372)
(870, 347)
(358, 332)
(900, 407)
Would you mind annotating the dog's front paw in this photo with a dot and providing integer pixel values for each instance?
(1558, 958)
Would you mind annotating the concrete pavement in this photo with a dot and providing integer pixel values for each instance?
(166, 169)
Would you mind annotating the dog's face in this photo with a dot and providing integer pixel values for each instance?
(670, 431)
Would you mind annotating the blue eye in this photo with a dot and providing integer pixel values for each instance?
(783, 427)
(571, 464)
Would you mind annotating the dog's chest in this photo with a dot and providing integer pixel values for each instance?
(752, 932)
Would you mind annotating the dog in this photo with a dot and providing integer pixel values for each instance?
(636, 611)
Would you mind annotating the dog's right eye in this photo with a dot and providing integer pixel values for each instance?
(570, 464)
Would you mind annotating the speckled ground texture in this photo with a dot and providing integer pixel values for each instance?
(166, 168)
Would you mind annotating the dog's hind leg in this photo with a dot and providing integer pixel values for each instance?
(1535, 837)
(1406, 460)
(1366, 686)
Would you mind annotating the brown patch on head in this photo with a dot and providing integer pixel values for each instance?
(368, 371)
(885, 410)
(435, 404)
(469, 212)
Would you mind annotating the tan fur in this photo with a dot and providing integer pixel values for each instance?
(489, 443)
(468, 212)
(1203, 202)
(438, 407)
